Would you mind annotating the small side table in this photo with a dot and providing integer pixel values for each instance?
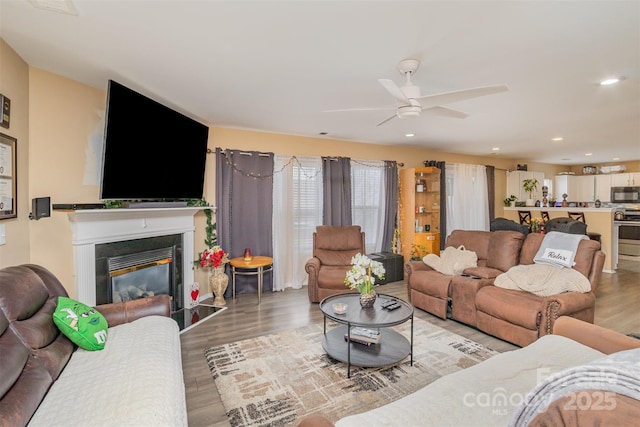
(257, 266)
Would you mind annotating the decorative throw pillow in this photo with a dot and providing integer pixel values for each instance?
(83, 325)
(452, 260)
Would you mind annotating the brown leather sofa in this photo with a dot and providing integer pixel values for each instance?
(33, 352)
(333, 248)
(512, 315)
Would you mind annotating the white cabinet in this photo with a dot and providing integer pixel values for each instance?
(577, 188)
(565, 184)
(514, 184)
(625, 179)
(585, 188)
(603, 188)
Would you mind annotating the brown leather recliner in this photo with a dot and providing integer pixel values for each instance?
(512, 315)
(333, 248)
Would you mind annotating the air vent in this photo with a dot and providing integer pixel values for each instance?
(62, 6)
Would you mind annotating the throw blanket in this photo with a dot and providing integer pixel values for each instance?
(617, 373)
(543, 280)
(452, 260)
(558, 249)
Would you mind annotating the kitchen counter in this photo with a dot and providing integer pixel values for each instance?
(599, 220)
(567, 209)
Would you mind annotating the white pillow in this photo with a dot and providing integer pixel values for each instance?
(452, 260)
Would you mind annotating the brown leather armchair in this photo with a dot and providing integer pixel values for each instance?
(333, 248)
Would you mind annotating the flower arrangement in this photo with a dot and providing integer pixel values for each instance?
(536, 224)
(363, 272)
(214, 257)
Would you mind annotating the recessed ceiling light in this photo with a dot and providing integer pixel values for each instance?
(615, 159)
(409, 135)
(557, 138)
(495, 149)
(588, 154)
(610, 81)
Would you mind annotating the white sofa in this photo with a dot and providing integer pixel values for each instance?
(135, 381)
(490, 393)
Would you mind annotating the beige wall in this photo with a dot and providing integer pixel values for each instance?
(14, 84)
(64, 119)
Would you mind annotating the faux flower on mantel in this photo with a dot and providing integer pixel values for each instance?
(214, 257)
(362, 274)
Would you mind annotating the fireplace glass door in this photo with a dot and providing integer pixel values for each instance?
(141, 275)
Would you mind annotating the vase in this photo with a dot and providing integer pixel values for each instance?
(367, 300)
(218, 282)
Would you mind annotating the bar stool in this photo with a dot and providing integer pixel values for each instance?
(525, 217)
(545, 216)
(579, 216)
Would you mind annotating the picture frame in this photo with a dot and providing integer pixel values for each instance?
(5, 111)
(8, 177)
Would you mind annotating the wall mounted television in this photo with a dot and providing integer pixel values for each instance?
(151, 152)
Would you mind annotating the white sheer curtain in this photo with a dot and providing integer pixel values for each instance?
(368, 201)
(467, 199)
(297, 210)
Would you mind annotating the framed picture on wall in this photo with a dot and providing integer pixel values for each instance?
(8, 177)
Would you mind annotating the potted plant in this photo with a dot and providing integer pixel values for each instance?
(361, 277)
(510, 201)
(529, 186)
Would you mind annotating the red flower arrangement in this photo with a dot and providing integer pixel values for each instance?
(214, 257)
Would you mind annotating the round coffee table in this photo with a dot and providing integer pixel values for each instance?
(393, 346)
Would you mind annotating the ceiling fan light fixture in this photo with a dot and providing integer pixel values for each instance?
(408, 111)
(610, 81)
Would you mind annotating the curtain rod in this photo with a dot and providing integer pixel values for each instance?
(333, 159)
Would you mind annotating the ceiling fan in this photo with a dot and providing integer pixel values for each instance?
(411, 103)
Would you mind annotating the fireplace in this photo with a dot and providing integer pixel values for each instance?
(140, 268)
(92, 228)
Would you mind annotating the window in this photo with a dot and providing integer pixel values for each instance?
(297, 210)
(368, 201)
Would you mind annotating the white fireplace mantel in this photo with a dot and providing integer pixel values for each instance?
(95, 226)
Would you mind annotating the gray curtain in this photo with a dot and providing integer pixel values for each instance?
(391, 203)
(443, 198)
(244, 201)
(491, 190)
(336, 191)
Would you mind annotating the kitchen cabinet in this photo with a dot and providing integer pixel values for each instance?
(565, 184)
(625, 179)
(585, 188)
(578, 188)
(514, 184)
(420, 211)
(602, 188)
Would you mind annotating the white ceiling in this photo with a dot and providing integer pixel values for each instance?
(277, 66)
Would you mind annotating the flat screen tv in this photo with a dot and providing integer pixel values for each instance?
(151, 152)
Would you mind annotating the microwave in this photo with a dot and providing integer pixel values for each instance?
(625, 194)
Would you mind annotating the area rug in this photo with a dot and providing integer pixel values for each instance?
(278, 379)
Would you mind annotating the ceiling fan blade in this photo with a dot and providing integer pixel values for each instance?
(430, 101)
(448, 112)
(395, 91)
(389, 108)
(386, 120)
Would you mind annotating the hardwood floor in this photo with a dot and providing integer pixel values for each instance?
(617, 308)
